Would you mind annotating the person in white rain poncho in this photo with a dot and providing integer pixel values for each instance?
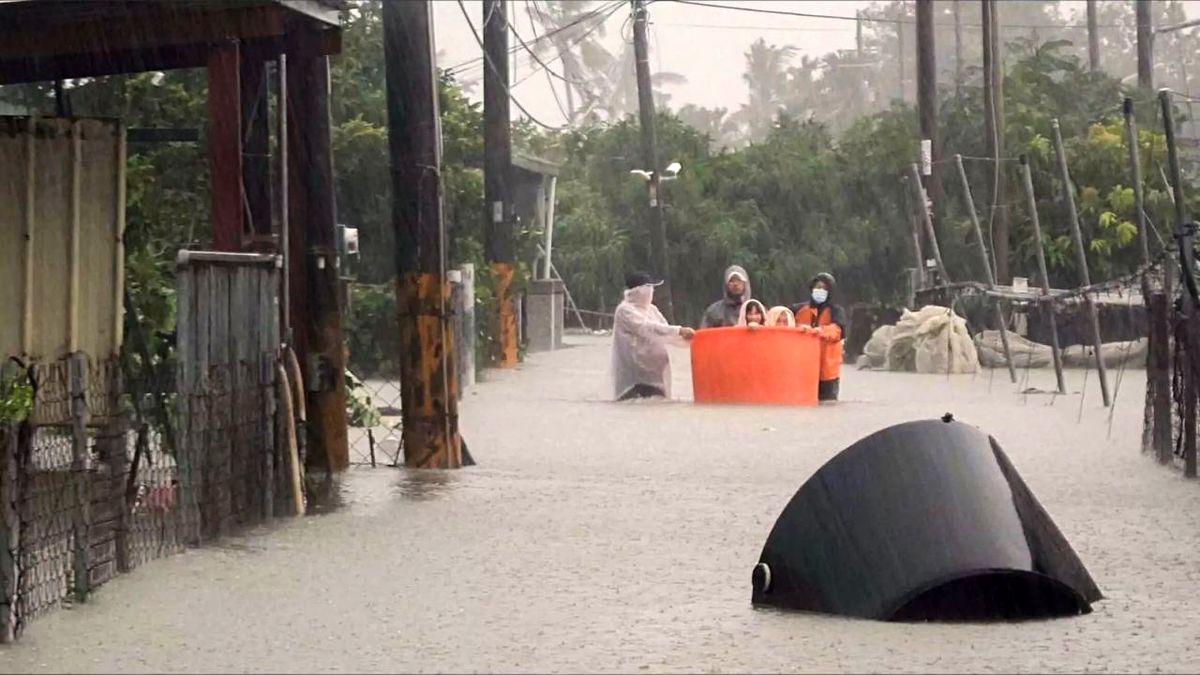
(641, 366)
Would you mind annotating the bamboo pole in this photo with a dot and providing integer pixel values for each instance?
(1045, 279)
(1081, 258)
(923, 205)
(989, 276)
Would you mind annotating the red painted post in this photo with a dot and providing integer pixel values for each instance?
(225, 146)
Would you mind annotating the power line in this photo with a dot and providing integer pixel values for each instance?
(609, 8)
(496, 71)
(838, 17)
(577, 41)
(549, 71)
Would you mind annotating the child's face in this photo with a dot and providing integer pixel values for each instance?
(754, 315)
(781, 320)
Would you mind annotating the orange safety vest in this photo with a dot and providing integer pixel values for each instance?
(831, 351)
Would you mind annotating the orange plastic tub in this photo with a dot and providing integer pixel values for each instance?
(763, 365)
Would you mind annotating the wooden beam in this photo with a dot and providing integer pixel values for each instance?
(26, 37)
(225, 147)
(256, 138)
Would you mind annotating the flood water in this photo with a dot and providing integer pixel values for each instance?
(596, 536)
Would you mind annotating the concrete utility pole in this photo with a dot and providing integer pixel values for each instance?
(428, 377)
(497, 169)
(900, 49)
(927, 105)
(658, 226)
(993, 101)
(1145, 45)
(1093, 37)
(958, 59)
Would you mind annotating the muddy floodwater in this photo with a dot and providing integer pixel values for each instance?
(596, 536)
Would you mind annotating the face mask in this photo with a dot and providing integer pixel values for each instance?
(820, 295)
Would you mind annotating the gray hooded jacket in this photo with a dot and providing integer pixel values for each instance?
(725, 312)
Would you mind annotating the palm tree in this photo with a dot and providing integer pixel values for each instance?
(576, 41)
(766, 75)
(716, 123)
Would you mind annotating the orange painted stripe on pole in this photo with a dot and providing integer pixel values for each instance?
(508, 318)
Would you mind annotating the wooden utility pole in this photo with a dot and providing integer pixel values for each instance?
(428, 376)
(1093, 37)
(497, 170)
(1145, 45)
(658, 226)
(993, 101)
(317, 316)
(958, 59)
(927, 105)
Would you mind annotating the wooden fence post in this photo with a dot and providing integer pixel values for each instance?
(79, 475)
(10, 530)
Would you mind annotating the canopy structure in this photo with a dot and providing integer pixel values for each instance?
(925, 520)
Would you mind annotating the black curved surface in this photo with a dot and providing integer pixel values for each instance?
(925, 520)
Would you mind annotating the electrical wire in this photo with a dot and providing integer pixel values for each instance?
(607, 10)
(550, 74)
(577, 41)
(811, 15)
(496, 71)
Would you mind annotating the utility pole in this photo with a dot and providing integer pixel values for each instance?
(658, 226)
(958, 61)
(1093, 37)
(858, 36)
(1145, 45)
(900, 48)
(497, 168)
(428, 377)
(927, 106)
(993, 101)
(317, 318)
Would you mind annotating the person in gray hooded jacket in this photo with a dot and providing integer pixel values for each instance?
(727, 310)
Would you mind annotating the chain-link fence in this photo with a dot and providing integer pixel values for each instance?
(85, 499)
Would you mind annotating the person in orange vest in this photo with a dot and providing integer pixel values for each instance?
(828, 320)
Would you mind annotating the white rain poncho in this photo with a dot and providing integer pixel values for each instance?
(640, 338)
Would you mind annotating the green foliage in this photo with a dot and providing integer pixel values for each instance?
(16, 396)
(360, 409)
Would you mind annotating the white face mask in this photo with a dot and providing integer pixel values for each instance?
(820, 295)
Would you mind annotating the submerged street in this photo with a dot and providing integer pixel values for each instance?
(621, 537)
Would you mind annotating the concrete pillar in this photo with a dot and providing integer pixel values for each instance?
(544, 304)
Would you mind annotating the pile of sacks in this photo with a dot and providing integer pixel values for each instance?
(935, 340)
(931, 340)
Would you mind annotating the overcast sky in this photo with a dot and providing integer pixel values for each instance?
(706, 45)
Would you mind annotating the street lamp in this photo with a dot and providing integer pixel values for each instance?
(670, 173)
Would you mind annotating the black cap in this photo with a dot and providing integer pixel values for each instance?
(635, 279)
